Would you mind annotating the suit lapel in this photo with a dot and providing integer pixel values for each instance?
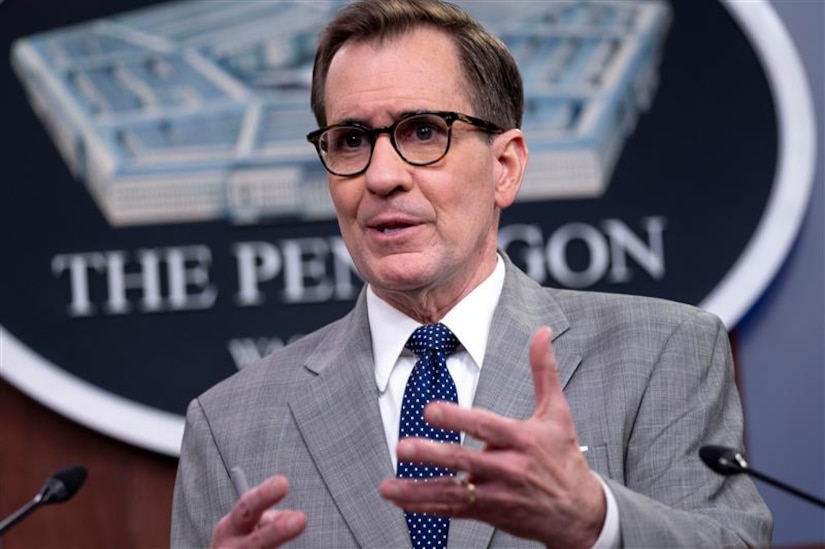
(505, 385)
(523, 307)
(340, 421)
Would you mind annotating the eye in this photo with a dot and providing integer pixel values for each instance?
(346, 139)
(421, 129)
(424, 131)
(352, 139)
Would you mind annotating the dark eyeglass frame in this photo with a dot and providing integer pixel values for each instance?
(449, 118)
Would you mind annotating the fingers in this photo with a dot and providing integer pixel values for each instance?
(445, 496)
(252, 522)
(277, 528)
(501, 464)
(272, 530)
(481, 424)
(248, 510)
(546, 383)
(501, 432)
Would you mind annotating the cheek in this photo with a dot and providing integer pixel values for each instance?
(472, 200)
(346, 213)
(344, 200)
(469, 218)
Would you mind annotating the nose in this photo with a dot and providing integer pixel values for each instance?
(387, 172)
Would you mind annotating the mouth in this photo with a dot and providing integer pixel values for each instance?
(391, 227)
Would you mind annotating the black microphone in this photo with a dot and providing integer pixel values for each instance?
(58, 488)
(727, 461)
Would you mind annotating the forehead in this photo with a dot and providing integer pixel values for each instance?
(376, 81)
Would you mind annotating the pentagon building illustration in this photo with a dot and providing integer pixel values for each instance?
(196, 111)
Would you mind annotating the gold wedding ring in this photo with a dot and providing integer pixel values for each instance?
(471, 492)
(463, 478)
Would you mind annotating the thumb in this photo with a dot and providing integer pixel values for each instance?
(546, 383)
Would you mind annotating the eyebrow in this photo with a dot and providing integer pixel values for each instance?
(350, 121)
(395, 117)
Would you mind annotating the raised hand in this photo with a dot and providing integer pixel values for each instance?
(252, 522)
(530, 479)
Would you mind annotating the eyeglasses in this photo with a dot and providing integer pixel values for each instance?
(419, 138)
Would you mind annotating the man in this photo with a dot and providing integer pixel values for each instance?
(592, 440)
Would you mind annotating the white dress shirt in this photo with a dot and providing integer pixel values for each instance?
(470, 321)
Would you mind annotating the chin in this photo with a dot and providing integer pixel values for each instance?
(399, 283)
(400, 279)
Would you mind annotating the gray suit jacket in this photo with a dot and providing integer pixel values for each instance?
(648, 383)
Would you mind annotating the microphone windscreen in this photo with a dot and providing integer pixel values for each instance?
(64, 484)
(720, 459)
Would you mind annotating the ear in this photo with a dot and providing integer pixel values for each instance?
(511, 162)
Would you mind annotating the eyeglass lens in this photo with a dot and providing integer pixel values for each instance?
(420, 139)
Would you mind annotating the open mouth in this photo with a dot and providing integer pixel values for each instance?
(390, 228)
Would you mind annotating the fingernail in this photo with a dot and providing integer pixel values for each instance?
(435, 413)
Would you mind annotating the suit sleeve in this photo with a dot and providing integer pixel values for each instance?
(669, 497)
(203, 491)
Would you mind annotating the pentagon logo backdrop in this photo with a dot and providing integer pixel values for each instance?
(165, 222)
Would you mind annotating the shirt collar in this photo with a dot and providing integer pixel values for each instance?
(469, 320)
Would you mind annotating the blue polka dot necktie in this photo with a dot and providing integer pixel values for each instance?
(428, 381)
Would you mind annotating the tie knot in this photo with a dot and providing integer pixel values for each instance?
(432, 337)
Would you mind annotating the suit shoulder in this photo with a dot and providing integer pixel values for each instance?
(618, 311)
(278, 372)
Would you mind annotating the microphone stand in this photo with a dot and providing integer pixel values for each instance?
(743, 467)
(21, 513)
